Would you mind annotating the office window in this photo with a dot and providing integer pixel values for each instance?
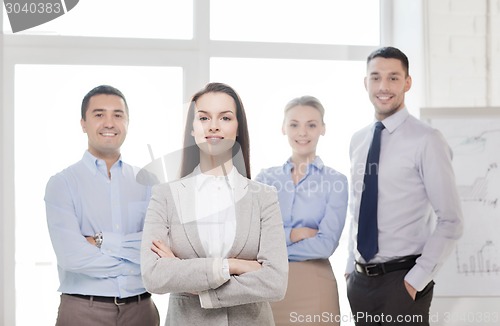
(48, 138)
(121, 18)
(353, 22)
(46, 77)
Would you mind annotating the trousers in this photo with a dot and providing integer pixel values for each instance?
(383, 300)
(75, 311)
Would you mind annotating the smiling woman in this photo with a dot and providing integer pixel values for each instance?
(216, 111)
(213, 239)
(313, 202)
(215, 126)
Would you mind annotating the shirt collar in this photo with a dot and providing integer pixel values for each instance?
(392, 122)
(203, 179)
(94, 164)
(317, 163)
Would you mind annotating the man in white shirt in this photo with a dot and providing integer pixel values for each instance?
(417, 215)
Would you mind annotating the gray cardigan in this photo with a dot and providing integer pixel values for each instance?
(244, 299)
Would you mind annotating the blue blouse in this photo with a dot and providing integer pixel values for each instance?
(318, 200)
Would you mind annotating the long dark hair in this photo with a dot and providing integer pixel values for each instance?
(191, 152)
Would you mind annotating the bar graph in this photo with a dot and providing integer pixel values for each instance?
(484, 261)
(473, 269)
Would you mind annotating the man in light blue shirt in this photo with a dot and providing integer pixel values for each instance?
(95, 215)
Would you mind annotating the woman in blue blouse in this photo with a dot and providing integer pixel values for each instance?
(313, 202)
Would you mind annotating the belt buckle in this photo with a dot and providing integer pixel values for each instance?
(367, 270)
(119, 303)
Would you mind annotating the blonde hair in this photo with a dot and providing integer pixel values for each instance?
(306, 100)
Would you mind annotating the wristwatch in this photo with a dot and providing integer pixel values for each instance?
(98, 239)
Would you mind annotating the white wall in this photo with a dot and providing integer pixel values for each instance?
(495, 51)
(449, 44)
(463, 52)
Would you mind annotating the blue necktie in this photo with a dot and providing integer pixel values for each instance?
(367, 224)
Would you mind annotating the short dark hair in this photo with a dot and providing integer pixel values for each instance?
(102, 89)
(191, 152)
(390, 52)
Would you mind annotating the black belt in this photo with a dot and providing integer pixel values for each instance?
(117, 301)
(382, 268)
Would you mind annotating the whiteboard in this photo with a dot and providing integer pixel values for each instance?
(473, 268)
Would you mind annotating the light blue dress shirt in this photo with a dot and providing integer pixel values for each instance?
(318, 201)
(82, 201)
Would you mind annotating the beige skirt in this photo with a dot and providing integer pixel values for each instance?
(311, 297)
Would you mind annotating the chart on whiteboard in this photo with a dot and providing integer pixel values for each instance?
(473, 269)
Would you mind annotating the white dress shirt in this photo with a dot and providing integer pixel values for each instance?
(419, 210)
(215, 214)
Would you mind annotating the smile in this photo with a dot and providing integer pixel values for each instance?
(384, 97)
(214, 140)
(108, 134)
(302, 142)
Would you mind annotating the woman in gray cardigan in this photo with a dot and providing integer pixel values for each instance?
(214, 239)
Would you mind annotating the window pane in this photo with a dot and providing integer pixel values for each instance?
(121, 18)
(353, 22)
(48, 138)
